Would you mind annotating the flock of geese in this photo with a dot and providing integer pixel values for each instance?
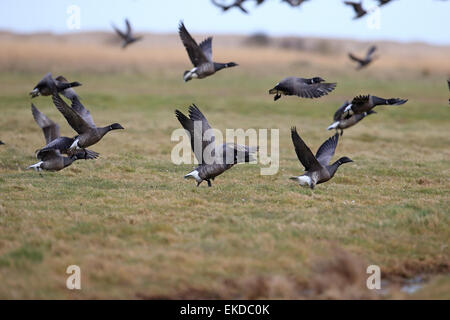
(60, 152)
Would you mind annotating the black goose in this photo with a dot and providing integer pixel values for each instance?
(221, 158)
(50, 156)
(343, 121)
(302, 87)
(357, 7)
(1, 142)
(127, 36)
(317, 169)
(201, 56)
(361, 104)
(367, 60)
(383, 2)
(80, 119)
(43, 87)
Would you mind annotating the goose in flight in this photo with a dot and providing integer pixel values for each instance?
(80, 119)
(200, 56)
(127, 36)
(358, 8)
(367, 60)
(317, 169)
(361, 104)
(302, 87)
(50, 156)
(221, 158)
(63, 86)
(343, 121)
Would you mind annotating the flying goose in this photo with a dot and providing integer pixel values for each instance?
(317, 169)
(200, 55)
(302, 87)
(343, 121)
(1, 142)
(50, 156)
(127, 36)
(357, 7)
(361, 104)
(367, 60)
(80, 119)
(43, 87)
(383, 2)
(222, 158)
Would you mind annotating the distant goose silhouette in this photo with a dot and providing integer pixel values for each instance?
(357, 7)
(50, 156)
(343, 121)
(383, 2)
(80, 119)
(302, 87)
(1, 142)
(317, 169)
(226, 157)
(361, 104)
(43, 87)
(200, 56)
(367, 60)
(127, 36)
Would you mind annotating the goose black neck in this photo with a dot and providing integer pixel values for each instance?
(219, 66)
(379, 101)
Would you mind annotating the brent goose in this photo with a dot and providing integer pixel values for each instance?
(361, 104)
(317, 169)
(80, 119)
(1, 142)
(201, 56)
(222, 158)
(343, 121)
(368, 58)
(383, 2)
(50, 156)
(127, 36)
(43, 87)
(357, 7)
(302, 87)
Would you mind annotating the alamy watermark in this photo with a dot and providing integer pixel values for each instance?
(73, 21)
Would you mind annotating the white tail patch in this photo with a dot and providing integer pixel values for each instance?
(349, 109)
(304, 181)
(36, 166)
(74, 145)
(193, 175)
(333, 126)
(191, 74)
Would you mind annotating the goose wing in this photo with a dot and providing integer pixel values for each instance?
(62, 145)
(370, 52)
(206, 46)
(196, 118)
(355, 58)
(304, 154)
(119, 32)
(298, 87)
(129, 30)
(326, 150)
(50, 128)
(82, 111)
(75, 120)
(194, 51)
(339, 114)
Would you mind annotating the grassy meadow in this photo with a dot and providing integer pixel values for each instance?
(138, 230)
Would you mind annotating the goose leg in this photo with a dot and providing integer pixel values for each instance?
(342, 132)
(198, 183)
(209, 183)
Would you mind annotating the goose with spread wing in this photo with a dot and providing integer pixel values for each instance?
(357, 7)
(127, 36)
(343, 120)
(200, 56)
(362, 104)
(302, 87)
(80, 119)
(50, 156)
(317, 169)
(45, 85)
(366, 60)
(217, 159)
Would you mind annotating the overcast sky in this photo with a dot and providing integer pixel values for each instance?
(401, 20)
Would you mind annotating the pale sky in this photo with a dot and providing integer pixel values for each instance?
(401, 20)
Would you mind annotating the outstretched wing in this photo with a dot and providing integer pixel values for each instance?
(129, 30)
(74, 119)
(315, 90)
(304, 154)
(339, 114)
(355, 58)
(82, 111)
(194, 51)
(206, 46)
(370, 52)
(326, 150)
(50, 128)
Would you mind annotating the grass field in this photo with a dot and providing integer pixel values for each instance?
(137, 229)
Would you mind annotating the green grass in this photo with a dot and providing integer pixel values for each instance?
(137, 229)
